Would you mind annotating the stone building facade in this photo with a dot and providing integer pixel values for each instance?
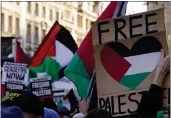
(32, 20)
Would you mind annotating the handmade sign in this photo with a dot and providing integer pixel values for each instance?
(13, 86)
(14, 76)
(41, 86)
(127, 51)
(15, 73)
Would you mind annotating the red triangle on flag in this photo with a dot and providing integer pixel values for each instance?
(47, 47)
(20, 56)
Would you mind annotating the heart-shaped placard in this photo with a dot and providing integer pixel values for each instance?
(130, 67)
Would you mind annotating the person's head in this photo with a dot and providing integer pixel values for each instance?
(49, 113)
(98, 113)
(11, 112)
(29, 103)
(63, 111)
(49, 103)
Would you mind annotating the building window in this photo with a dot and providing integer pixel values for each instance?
(101, 8)
(44, 12)
(94, 8)
(10, 24)
(28, 33)
(17, 26)
(2, 22)
(79, 41)
(90, 7)
(29, 7)
(43, 33)
(18, 3)
(80, 21)
(36, 35)
(87, 24)
(37, 9)
(68, 15)
(169, 37)
(51, 17)
(57, 15)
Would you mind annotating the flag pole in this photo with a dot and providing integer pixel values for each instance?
(91, 87)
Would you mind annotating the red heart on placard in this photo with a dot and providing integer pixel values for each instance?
(115, 65)
(114, 56)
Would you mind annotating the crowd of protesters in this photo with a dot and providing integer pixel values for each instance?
(24, 104)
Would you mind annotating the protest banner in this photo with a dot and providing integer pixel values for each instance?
(14, 76)
(41, 86)
(127, 51)
(15, 72)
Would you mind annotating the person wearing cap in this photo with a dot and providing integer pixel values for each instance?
(29, 103)
(63, 111)
(50, 104)
(49, 113)
(11, 112)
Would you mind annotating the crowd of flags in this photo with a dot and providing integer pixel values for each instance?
(58, 54)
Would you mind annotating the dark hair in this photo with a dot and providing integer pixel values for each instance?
(49, 103)
(25, 100)
(98, 113)
(62, 110)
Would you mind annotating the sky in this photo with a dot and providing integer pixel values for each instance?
(134, 7)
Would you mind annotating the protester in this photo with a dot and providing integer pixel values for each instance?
(11, 112)
(63, 111)
(152, 102)
(30, 104)
(79, 115)
(49, 113)
(50, 104)
(83, 108)
(73, 101)
(98, 114)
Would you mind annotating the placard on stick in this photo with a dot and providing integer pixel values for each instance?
(127, 51)
(41, 86)
(15, 76)
(15, 73)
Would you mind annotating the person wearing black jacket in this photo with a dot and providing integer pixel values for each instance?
(152, 101)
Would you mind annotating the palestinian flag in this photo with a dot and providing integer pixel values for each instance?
(55, 52)
(80, 69)
(20, 56)
(134, 67)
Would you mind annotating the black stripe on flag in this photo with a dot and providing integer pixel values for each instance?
(144, 45)
(66, 39)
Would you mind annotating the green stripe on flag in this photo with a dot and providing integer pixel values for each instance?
(132, 81)
(160, 114)
(49, 65)
(77, 73)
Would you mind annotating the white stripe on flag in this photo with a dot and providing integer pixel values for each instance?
(63, 54)
(121, 9)
(143, 63)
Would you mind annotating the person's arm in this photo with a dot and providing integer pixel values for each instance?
(151, 102)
